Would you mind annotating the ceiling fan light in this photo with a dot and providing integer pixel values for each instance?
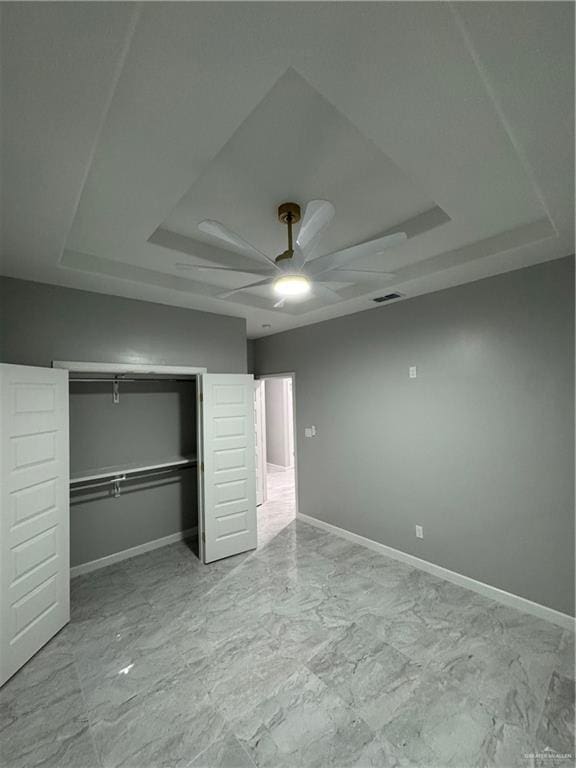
(292, 285)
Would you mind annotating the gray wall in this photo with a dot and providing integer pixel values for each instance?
(250, 355)
(40, 323)
(154, 421)
(276, 427)
(478, 449)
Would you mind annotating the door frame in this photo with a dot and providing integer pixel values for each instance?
(85, 369)
(288, 397)
(77, 366)
(289, 375)
(260, 425)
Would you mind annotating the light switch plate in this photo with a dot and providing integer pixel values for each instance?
(307, 432)
(412, 372)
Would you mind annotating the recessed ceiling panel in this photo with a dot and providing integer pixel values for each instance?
(296, 146)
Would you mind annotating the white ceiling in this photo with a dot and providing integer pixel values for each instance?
(125, 125)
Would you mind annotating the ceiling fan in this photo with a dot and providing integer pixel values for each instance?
(295, 272)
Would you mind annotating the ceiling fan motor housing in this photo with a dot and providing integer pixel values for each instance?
(289, 213)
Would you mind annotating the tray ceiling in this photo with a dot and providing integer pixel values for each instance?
(124, 126)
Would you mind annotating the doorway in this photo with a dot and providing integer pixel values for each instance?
(276, 454)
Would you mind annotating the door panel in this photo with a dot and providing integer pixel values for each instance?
(228, 505)
(34, 511)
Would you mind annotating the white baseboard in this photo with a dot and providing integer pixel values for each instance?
(507, 598)
(125, 554)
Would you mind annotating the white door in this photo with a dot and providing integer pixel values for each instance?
(260, 440)
(228, 485)
(34, 511)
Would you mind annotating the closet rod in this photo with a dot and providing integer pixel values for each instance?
(78, 486)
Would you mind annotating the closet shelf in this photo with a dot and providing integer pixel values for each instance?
(123, 470)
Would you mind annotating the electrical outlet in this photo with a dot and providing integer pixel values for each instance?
(419, 532)
(313, 428)
(412, 372)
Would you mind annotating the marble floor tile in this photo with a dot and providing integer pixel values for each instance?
(442, 601)
(361, 593)
(98, 635)
(171, 584)
(565, 655)
(556, 727)
(372, 677)
(43, 720)
(315, 603)
(310, 652)
(508, 683)
(420, 639)
(440, 723)
(366, 562)
(243, 671)
(336, 548)
(280, 503)
(120, 672)
(381, 754)
(48, 681)
(506, 746)
(225, 753)
(526, 633)
(72, 750)
(103, 593)
(302, 723)
(299, 638)
(167, 726)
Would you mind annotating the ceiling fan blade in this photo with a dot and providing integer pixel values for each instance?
(326, 294)
(219, 231)
(341, 258)
(203, 267)
(317, 216)
(226, 294)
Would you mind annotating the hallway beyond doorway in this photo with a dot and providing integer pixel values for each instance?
(279, 510)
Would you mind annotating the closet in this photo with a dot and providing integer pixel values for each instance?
(133, 462)
(113, 446)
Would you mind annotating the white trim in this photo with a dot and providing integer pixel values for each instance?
(288, 403)
(260, 432)
(165, 370)
(125, 554)
(287, 375)
(499, 595)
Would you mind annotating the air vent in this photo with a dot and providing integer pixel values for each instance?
(388, 297)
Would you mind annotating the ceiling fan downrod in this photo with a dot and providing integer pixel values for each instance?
(289, 214)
